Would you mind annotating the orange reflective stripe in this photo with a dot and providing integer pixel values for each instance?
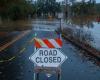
(59, 42)
(37, 44)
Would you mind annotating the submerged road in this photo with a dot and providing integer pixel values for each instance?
(15, 63)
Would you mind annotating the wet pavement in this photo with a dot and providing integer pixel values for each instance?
(78, 66)
(7, 36)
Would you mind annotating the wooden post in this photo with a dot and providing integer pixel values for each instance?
(37, 76)
(59, 74)
(60, 25)
(34, 64)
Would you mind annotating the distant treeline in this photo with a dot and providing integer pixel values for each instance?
(19, 9)
(98, 8)
(15, 9)
(47, 7)
(84, 8)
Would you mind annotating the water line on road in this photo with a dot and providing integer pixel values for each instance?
(20, 52)
(14, 40)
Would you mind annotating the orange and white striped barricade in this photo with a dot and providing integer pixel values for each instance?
(48, 43)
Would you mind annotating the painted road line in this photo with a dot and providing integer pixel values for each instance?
(14, 40)
(13, 57)
(10, 59)
(22, 50)
(32, 40)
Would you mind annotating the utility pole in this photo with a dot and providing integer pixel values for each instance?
(67, 8)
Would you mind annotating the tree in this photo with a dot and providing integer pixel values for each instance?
(83, 8)
(72, 1)
(15, 9)
(47, 7)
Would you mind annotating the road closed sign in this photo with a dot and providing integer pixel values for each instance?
(47, 57)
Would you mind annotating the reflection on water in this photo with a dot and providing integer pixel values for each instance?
(10, 29)
(85, 29)
(80, 34)
(83, 21)
(19, 25)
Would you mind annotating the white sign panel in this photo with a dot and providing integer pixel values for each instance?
(60, 15)
(46, 57)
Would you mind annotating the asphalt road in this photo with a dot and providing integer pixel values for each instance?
(15, 63)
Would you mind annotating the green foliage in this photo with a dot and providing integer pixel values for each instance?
(47, 7)
(19, 9)
(98, 8)
(15, 9)
(83, 8)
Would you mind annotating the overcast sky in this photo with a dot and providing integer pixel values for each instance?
(98, 1)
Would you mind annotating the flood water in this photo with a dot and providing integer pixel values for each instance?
(95, 32)
(78, 66)
(86, 29)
